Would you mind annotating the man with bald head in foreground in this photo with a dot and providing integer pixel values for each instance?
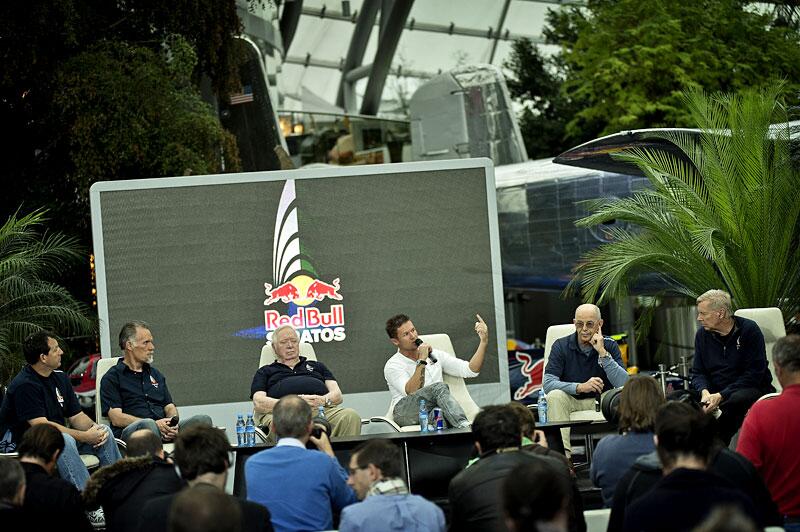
(581, 367)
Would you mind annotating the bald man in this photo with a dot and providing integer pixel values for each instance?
(581, 367)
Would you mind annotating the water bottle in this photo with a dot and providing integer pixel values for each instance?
(423, 416)
(250, 431)
(321, 410)
(541, 405)
(241, 440)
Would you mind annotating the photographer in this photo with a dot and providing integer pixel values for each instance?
(299, 486)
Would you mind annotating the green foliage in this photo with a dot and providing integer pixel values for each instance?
(723, 215)
(625, 63)
(29, 301)
(123, 111)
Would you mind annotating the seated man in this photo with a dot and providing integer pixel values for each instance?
(203, 457)
(580, 368)
(475, 493)
(299, 486)
(203, 508)
(687, 493)
(535, 497)
(729, 369)
(135, 394)
(41, 394)
(771, 431)
(51, 503)
(123, 488)
(415, 373)
(376, 469)
(312, 381)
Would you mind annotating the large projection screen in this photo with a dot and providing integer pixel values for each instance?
(214, 263)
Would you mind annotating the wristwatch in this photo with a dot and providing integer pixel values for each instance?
(328, 401)
(422, 362)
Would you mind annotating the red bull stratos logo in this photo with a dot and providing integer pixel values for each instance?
(297, 285)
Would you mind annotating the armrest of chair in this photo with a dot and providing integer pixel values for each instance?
(262, 434)
(382, 419)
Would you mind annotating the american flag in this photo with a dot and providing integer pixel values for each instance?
(242, 97)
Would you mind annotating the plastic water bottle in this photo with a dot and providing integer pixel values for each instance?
(321, 410)
(250, 431)
(423, 416)
(541, 405)
(241, 439)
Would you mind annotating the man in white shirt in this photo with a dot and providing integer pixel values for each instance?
(413, 374)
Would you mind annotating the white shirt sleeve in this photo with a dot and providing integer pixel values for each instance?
(454, 366)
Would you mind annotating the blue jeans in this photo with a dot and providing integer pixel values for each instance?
(406, 411)
(200, 419)
(70, 465)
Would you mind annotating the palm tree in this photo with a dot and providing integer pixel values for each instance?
(725, 214)
(30, 302)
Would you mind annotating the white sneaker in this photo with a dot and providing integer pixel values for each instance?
(97, 518)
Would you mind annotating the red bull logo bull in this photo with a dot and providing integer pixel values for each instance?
(286, 292)
(319, 290)
(304, 292)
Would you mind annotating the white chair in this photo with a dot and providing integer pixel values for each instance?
(458, 389)
(597, 520)
(268, 355)
(770, 321)
(554, 332)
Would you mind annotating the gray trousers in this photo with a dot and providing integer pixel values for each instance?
(406, 411)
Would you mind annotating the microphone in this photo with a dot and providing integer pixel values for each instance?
(418, 342)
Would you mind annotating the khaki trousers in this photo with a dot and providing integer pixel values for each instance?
(344, 421)
(559, 406)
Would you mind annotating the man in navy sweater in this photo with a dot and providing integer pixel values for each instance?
(298, 485)
(729, 370)
(581, 367)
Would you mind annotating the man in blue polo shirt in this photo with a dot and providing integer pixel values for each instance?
(581, 367)
(135, 394)
(42, 394)
(292, 374)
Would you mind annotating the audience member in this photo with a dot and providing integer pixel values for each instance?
(729, 369)
(727, 519)
(204, 508)
(312, 381)
(51, 502)
(534, 440)
(771, 432)
(536, 499)
(12, 495)
(42, 394)
(581, 366)
(135, 394)
(123, 488)
(639, 401)
(203, 457)
(375, 475)
(415, 373)
(687, 493)
(733, 467)
(475, 493)
(298, 485)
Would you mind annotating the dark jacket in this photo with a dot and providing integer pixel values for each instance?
(155, 514)
(682, 500)
(124, 487)
(52, 502)
(736, 469)
(476, 493)
(725, 364)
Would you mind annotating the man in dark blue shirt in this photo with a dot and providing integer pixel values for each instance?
(729, 370)
(135, 394)
(581, 366)
(42, 394)
(292, 374)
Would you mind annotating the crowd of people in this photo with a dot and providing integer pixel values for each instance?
(669, 468)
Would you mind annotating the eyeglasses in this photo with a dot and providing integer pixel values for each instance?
(589, 325)
(353, 471)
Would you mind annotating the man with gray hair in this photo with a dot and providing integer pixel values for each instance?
(581, 366)
(311, 380)
(298, 485)
(135, 394)
(729, 369)
(771, 431)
